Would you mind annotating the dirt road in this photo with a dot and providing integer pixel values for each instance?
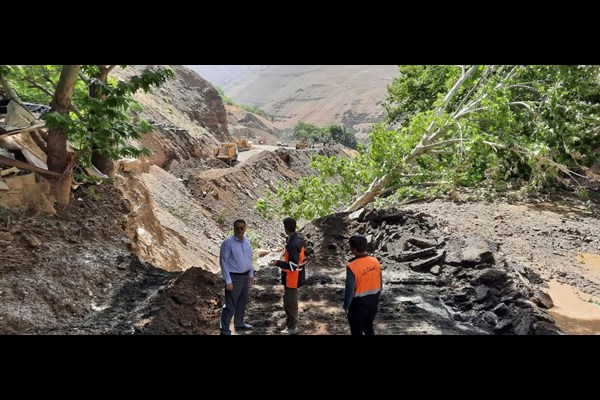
(244, 156)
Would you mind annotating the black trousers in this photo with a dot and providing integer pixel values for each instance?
(361, 314)
(235, 303)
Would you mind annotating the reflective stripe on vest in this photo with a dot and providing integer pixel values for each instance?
(291, 278)
(367, 275)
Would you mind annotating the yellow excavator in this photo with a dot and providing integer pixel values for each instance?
(227, 152)
(242, 143)
(302, 144)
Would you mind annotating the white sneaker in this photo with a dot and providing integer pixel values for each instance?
(289, 331)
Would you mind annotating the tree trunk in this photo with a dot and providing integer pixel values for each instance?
(425, 144)
(101, 161)
(59, 159)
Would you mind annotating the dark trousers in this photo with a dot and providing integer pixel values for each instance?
(235, 303)
(361, 314)
(290, 305)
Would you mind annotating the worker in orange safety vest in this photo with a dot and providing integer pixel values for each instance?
(292, 274)
(363, 288)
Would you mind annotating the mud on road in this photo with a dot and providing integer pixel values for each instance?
(433, 284)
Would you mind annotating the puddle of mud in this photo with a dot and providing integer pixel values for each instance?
(590, 261)
(575, 313)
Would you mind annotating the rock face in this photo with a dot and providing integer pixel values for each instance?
(243, 123)
(188, 116)
(199, 100)
(186, 95)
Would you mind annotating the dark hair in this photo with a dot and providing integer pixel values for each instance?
(239, 221)
(289, 224)
(358, 242)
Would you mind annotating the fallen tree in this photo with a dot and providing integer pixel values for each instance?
(464, 126)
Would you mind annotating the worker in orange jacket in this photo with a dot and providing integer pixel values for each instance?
(292, 274)
(363, 288)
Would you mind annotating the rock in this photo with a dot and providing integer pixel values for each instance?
(423, 266)
(522, 303)
(501, 309)
(33, 240)
(481, 292)
(477, 251)
(5, 238)
(412, 255)
(542, 299)
(262, 252)
(545, 328)
(490, 318)
(422, 242)
(525, 325)
(510, 296)
(492, 277)
(503, 325)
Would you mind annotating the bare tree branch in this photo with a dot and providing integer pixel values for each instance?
(49, 93)
(36, 85)
(379, 184)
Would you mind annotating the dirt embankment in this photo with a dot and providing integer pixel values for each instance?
(74, 273)
(77, 273)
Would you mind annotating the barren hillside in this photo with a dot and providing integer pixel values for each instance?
(317, 94)
(225, 76)
(244, 123)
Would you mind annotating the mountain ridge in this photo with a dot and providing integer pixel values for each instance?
(321, 95)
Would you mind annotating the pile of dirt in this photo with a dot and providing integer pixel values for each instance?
(547, 234)
(74, 273)
(193, 306)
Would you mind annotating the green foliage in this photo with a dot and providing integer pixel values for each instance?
(336, 133)
(310, 132)
(254, 237)
(416, 88)
(93, 193)
(221, 218)
(224, 98)
(312, 197)
(103, 123)
(252, 109)
(255, 243)
(265, 206)
(342, 135)
(486, 127)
